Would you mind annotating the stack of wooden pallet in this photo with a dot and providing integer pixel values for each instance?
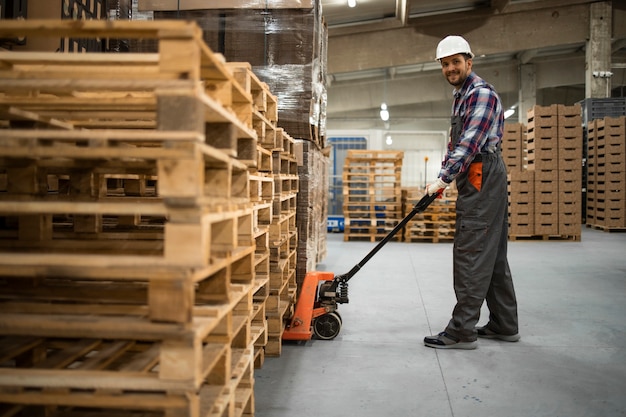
(138, 223)
(283, 240)
(277, 173)
(372, 195)
(437, 223)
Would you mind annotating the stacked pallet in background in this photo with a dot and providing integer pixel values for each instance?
(372, 197)
(545, 199)
(606, 185)
(437, 223)
(137, 210)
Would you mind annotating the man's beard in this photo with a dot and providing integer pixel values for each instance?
(458, 83)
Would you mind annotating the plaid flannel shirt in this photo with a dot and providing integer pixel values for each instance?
(480, 109)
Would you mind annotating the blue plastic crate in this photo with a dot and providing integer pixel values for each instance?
(335, 224)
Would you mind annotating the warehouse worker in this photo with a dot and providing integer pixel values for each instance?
(481, 269)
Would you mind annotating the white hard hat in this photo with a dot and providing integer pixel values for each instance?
(452, 45)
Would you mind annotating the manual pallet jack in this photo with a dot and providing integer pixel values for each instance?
(321, 292)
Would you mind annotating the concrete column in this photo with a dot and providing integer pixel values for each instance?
(598, 53)
(527, 91)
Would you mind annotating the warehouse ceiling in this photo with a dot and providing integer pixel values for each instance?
(384, 50)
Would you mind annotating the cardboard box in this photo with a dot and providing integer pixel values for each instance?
(522, 207)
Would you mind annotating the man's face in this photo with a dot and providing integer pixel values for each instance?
(456, 68)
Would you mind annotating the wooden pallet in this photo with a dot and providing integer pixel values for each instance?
(368, 237)
(573, 238)
(608, 229)
(374, 155)
(435, 238)
(264, 102)
(183, 62)
(93, 376)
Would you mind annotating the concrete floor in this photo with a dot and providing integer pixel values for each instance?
(570, 362)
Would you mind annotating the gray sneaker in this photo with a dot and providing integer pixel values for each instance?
(487, 333)
(446, 341)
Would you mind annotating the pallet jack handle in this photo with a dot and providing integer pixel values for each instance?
(419, 207)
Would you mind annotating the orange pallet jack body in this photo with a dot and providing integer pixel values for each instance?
(316, 312)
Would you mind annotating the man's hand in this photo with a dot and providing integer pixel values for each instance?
(436, 187)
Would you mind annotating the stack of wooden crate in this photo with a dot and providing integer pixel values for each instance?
(545, 196)
(570, 174)
(138, 214)
(521, 182)
(542, 146)
(606, 185)
(521, 194)
(372, 197)
(514, 146)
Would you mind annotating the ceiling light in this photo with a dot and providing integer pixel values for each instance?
(351, 3)
(510, 111)
(384, 113)
(388, 139)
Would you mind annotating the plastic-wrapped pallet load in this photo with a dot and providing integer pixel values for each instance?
(285, 41)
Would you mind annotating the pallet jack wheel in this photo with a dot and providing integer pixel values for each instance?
(327, 326)
(339, 316)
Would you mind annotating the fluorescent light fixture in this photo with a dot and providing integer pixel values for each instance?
(510, 111)
(384, 113)
(351, 3)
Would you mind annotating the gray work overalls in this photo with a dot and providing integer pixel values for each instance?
(481, 268)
